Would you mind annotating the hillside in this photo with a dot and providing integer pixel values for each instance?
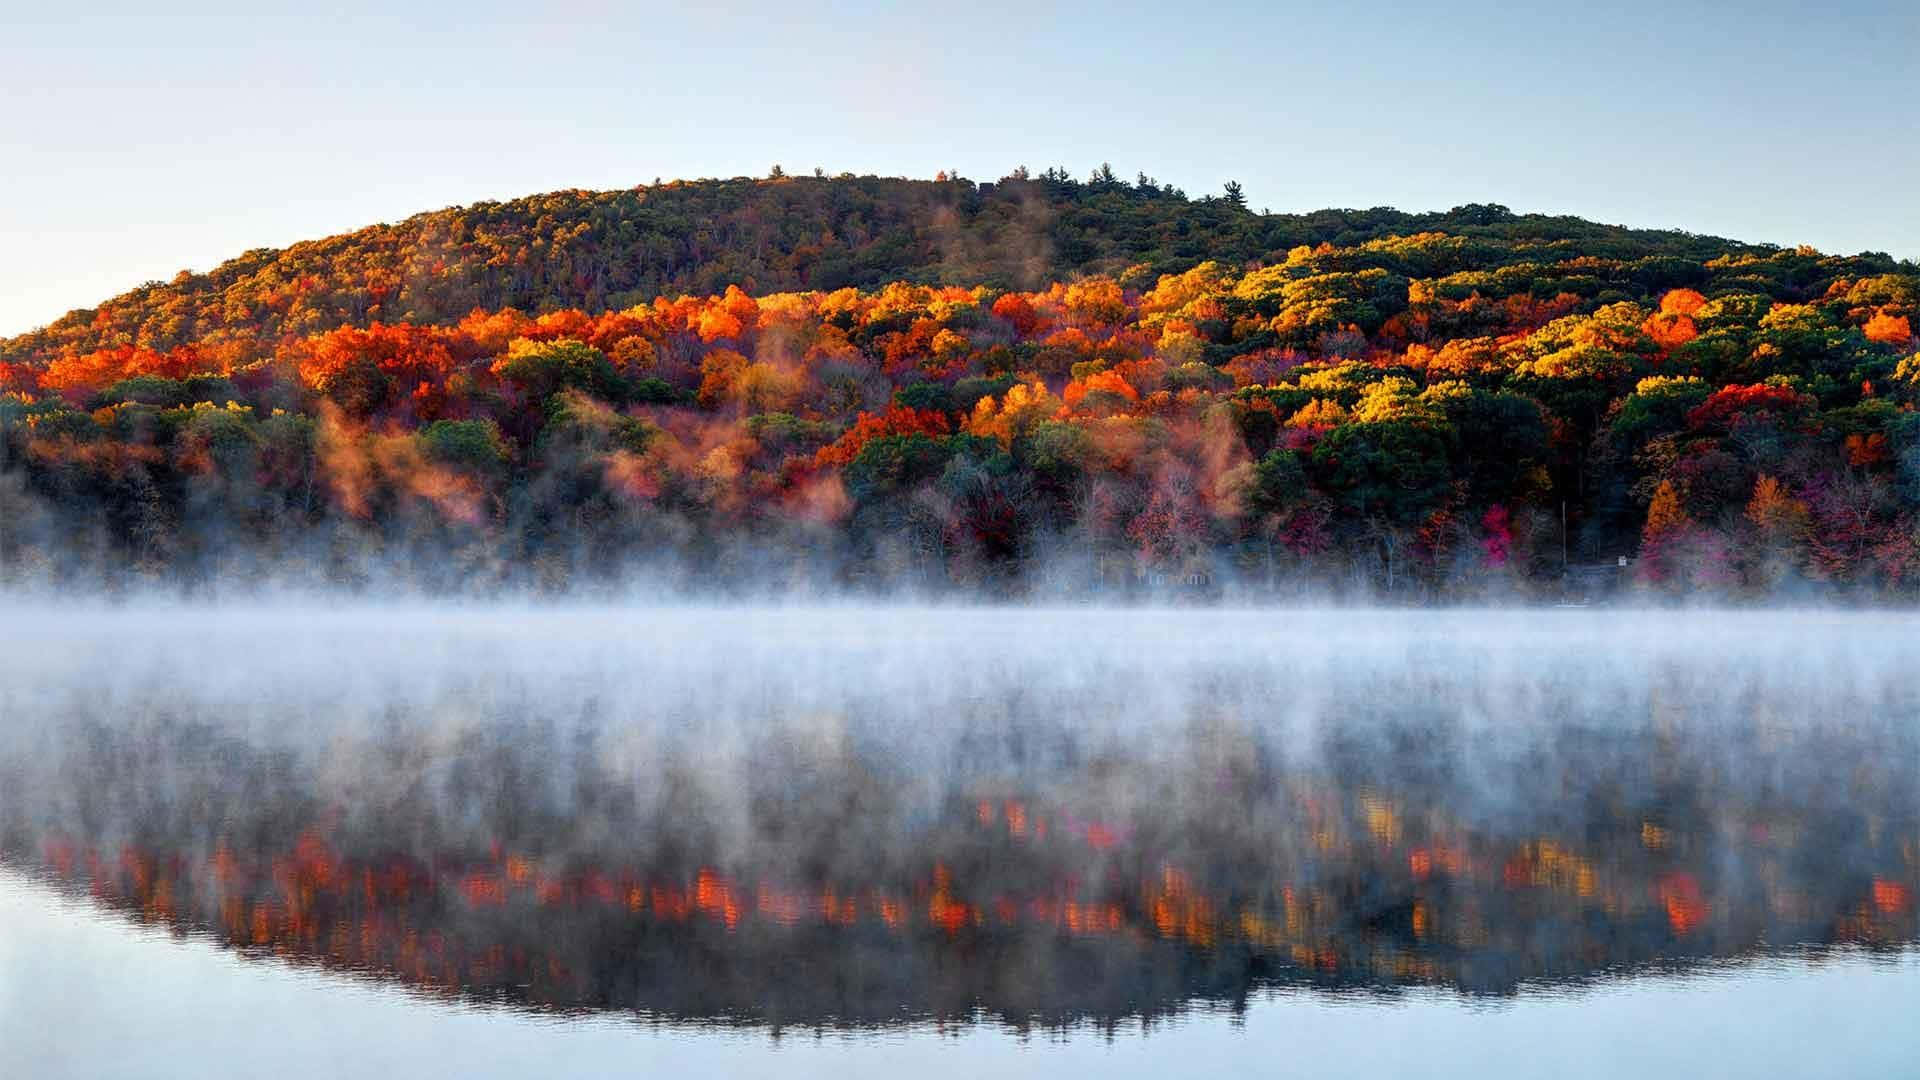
(612, 249)
(1039, 386)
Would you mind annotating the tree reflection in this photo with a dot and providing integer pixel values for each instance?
(825, 889)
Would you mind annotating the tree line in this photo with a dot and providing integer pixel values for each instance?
(1179, 394)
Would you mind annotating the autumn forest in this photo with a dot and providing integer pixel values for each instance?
(1042, 386)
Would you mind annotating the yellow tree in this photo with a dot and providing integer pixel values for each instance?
(1778, 515)
(1784, 525)
(1664, 514)
(1020, 409)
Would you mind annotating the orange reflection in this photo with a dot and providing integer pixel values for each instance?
(1370, 890)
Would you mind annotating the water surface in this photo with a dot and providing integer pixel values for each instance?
(855, 840)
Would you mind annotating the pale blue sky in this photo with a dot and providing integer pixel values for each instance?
(139, 143)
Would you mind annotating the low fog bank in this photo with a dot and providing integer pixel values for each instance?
(1504, 713)
(921, 672)
(796, 574)
(737, 662)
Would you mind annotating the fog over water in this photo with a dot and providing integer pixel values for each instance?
(896, 819)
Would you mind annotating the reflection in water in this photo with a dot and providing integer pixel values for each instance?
(848, 837)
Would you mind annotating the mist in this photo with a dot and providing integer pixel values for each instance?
(1106, 812)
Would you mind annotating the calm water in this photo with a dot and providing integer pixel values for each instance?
(957, 842)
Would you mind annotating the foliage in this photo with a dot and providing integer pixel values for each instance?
(957, 382)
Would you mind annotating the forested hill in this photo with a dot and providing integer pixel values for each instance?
(1038, 387)
(612, 249)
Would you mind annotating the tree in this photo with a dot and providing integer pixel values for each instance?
(1665, 516)
(1387, 477)
(476, 445)
(1236, 197)
(1888, 329)
(539, 369)
(691, 364)
(1499, 440)
(1393, 471)
(1280, 483)
(720, 373)
(1781, 518)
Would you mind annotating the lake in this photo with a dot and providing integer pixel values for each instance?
(865, 840)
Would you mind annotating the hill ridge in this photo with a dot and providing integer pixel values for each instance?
(602, 250)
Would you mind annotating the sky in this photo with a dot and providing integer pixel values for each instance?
(137, 143)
